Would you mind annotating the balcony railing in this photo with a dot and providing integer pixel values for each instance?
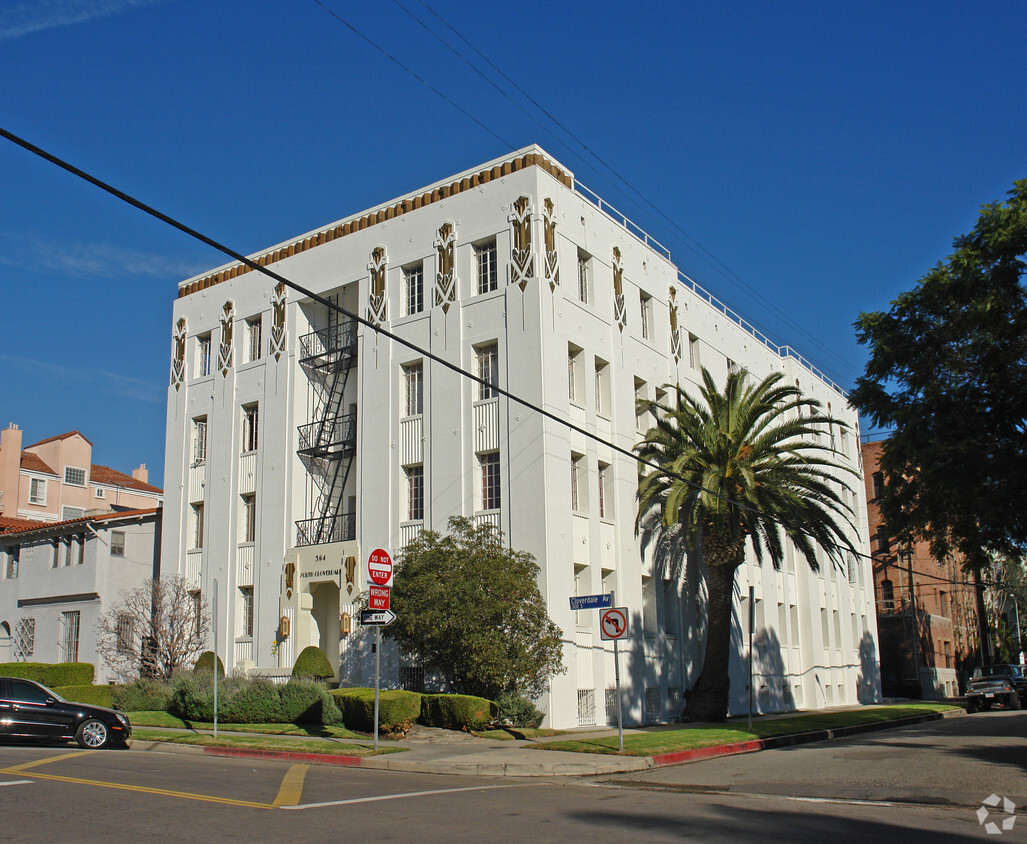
(329, 344)
(326, 529)
(335, 435)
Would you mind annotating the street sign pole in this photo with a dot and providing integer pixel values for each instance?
(215, 613)
(752, 617)
(377, 659)
(616, 677)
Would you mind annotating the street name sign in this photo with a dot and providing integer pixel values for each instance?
(378, 597)
(379, 567)
(377, 618)
(591, 602)
(613, 623)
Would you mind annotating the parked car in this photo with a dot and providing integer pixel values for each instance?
(990, 684)
(29, 710)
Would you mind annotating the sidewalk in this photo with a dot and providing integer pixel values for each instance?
(435, 751)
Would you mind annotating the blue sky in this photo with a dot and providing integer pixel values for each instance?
(825, 154)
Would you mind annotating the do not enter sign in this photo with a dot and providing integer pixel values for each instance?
(613, 623)
(379, 567)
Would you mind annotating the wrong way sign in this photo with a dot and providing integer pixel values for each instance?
(613, 623)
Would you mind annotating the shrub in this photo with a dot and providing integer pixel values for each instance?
(398, 710)
(517, 711)
(143, 695)
(308, 702)
(457, 712)
(93, 695)
(192, 696)
(51, 674)
(205, 662)
(256, 701)
(312, 662)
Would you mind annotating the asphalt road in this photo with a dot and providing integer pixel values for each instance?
(61, 793)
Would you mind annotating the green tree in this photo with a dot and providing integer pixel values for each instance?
(948, 374)
(471, 608)
(740, 468)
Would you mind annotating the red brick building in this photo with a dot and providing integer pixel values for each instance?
(916, 592)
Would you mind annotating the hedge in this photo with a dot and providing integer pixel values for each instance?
(312, 662)
(51, 674)
(143, 695)
(92, 695)
(397, 710)
(457, 712)
(205, 662)
(244, 700)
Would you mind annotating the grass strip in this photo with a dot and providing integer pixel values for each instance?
(513, 733)
(657, 742)
(261, 743)
(165, 719)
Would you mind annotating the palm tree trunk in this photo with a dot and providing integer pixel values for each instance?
(707, 700)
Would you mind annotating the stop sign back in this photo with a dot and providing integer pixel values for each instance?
(379, 567)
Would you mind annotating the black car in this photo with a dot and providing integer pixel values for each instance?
(31, 711)
(1004, 684)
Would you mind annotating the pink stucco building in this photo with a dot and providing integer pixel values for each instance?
(55, 479)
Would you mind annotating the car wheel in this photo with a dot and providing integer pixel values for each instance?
(92, 734)
(971, 707)
(1014, 701)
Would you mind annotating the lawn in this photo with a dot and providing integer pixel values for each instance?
(286, 745)
(164, 719)
(656, 742)
(512, 733)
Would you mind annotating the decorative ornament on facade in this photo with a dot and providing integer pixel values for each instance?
(351, 575)
(552, 268)
(445, 278)
(227, 327)
(675, 331)
(178, 361)
(522, 257)
(277, 345)
(620, 311)
(377, 307)
(290, 581)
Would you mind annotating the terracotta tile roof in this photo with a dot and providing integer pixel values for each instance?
(112, 477)
(26, 526)
(8, 524)
(61, 437)
(34, 463)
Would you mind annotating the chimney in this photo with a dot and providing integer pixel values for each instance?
(10, 468)
(141, 474)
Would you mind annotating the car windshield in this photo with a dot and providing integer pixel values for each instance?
(994, 671)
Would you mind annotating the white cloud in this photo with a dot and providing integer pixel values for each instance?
(124, 386)
(17, 20)
(94, 260)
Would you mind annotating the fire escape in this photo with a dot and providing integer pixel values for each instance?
(327, 446)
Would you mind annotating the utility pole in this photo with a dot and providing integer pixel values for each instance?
(1018, 656)
(907, 555)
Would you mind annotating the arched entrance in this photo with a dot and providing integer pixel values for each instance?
(324, 612)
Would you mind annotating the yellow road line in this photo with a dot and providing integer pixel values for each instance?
(292, 786)
(161, 792)
(18, 768)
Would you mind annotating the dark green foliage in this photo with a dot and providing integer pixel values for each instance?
(252, 700)
(457, 712)
(205, 662)
(397, 709)
(143, 696)
(51, 674)
(93, 695)
(192, 696)
(312, 662)
(471, 608)
(517, 711)
(307, 701)
(257, 701)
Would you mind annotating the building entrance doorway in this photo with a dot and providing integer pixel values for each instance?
(324, 613)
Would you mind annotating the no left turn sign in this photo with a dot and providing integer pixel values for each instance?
(613, 623)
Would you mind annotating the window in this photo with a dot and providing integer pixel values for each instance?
(196, 605)
(490, 493)
(55, 560)
(200, 441)
(197, 525)
(943, 603)
(732, 367)
(22, 691)
(486, 266)
(887, 595)
(413, 379)
(117, 543)
(575, 385)
(883, 541)
(74, 476)
(66, 542)
(69, 636)
(415, 493)
(246, 594)
(641, 410)
(605, 502)
(413, 289)
(249, 517)
(582, 586)
(878, 485)
(488, 369)
(671, 608)
(124, 634)
(71, 513)
(253, 329)
(648, 606)
(602, 386)
(250, 424)
(24, 638)
(37, 491)
(584, 276)
(98, 492)
(203, 355)
(646, 303)
(577, 480)
(851, 560)
(693, 352)
(13, 560)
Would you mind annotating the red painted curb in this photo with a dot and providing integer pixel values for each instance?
(708, 752)
(323, 758)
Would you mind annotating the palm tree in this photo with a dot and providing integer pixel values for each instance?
(734, 468)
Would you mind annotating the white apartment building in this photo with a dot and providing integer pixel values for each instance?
(298, 440)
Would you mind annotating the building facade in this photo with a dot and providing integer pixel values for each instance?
(926, 613)
(298, 440)
(56, 580)
(55, 479)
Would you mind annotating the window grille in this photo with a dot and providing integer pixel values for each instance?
(586, 707)
(69, 636)
(251, 419)
(675, 702)
(652, 704)
(253, 331)
(411, 678)
(124, 634)
(487, 266)
(415, 493)
(413, 376)
(612, 705)
(24, 639)
(491, 498)
(199, 442)
(488, 370)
